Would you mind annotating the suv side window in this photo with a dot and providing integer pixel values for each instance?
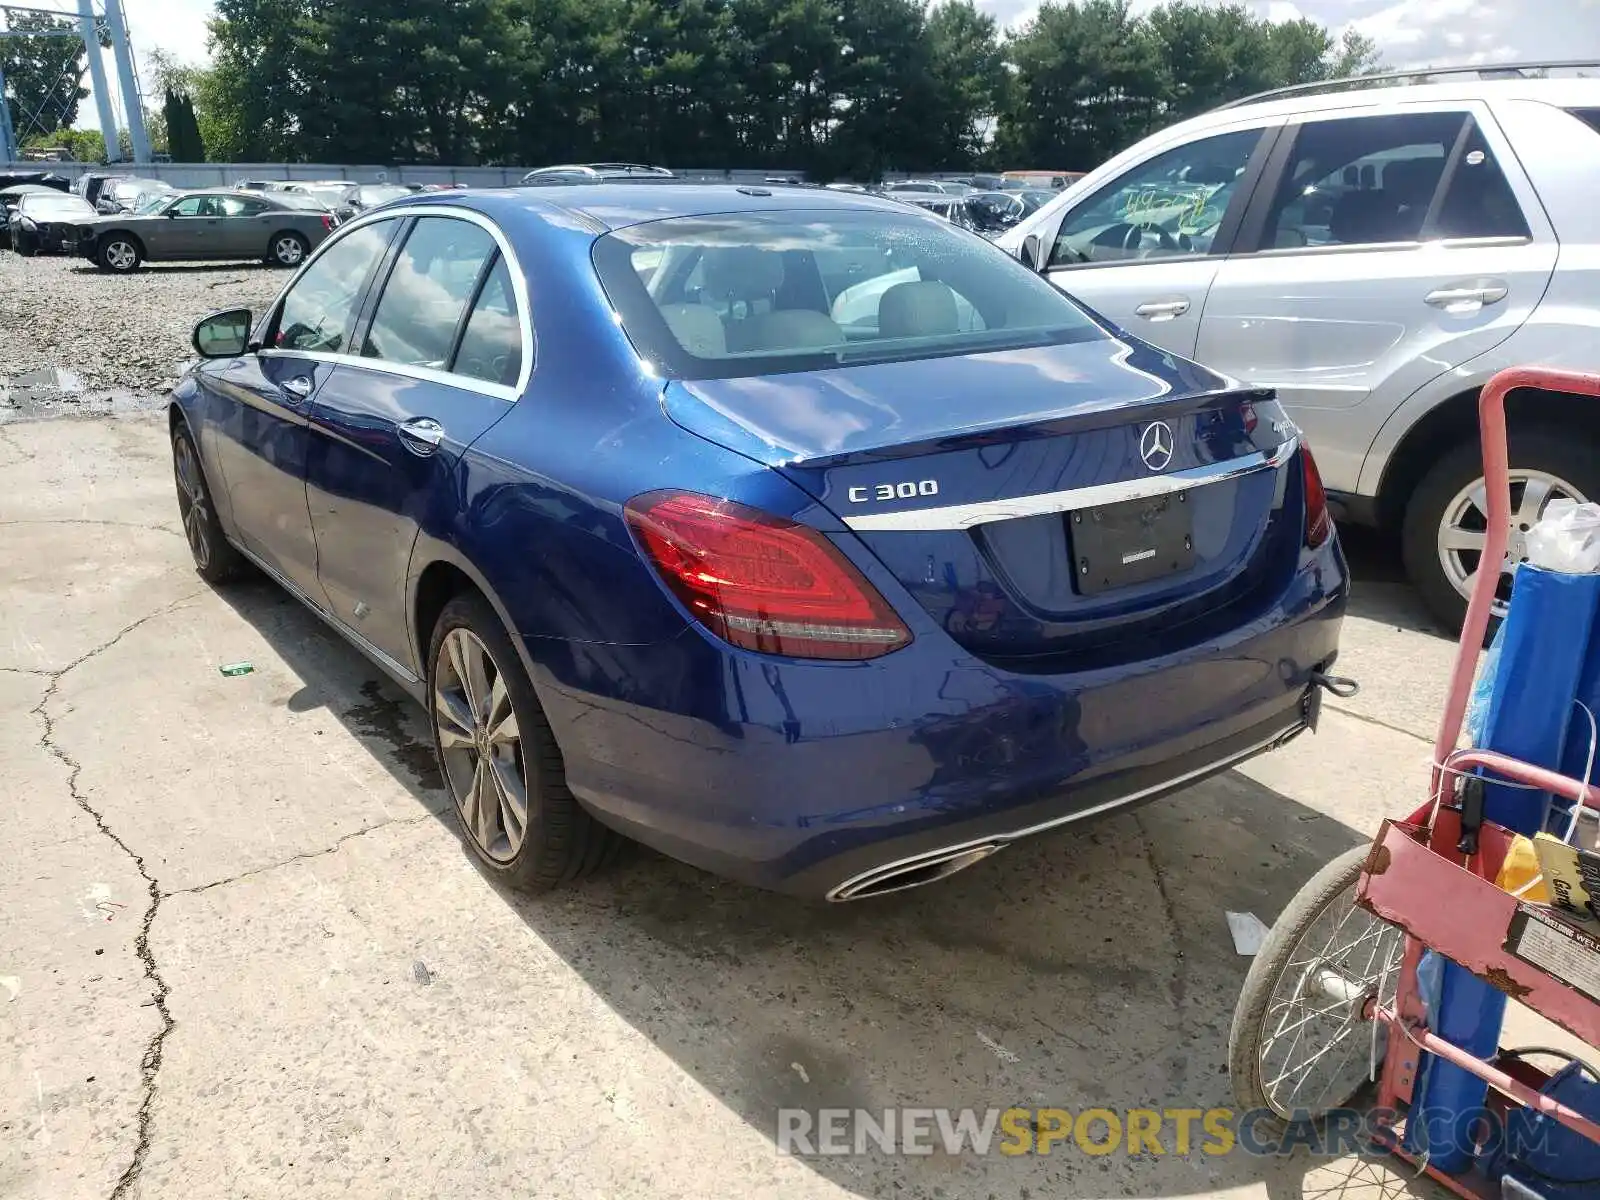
(1169, 205)
(1368, 181)
(427, 294)
(320, 308)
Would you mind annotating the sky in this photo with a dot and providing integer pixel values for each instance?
(1408, 32)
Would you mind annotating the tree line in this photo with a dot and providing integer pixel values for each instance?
(835, 88)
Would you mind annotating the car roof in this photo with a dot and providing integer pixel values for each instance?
(1564, 93)
(606, 206)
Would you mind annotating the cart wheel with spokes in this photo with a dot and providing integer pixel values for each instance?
(1301, 1043)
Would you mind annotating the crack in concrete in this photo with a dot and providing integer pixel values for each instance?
(150, 1061)
(302, 857)
(1180, 974)
(154, 526)
(1378, 721)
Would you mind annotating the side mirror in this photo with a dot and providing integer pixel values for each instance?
(1033, 252)
(223, 334)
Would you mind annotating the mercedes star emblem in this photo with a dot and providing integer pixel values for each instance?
(1155, 445)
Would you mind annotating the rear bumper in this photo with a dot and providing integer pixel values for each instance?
(800, 776)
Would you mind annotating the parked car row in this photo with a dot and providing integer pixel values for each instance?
(280, 228)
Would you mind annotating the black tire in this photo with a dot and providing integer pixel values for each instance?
(280, 254)
(1334, 885)
(119, 253)
(26, 246)
(1569, 456)
(215, 559)
(561, 841)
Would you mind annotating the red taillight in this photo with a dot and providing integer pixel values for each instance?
(327, 221)
(761, 582)
(1319, 522)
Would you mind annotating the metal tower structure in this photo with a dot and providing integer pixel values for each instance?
(94, 20)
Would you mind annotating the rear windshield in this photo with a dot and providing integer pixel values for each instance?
(763, 293)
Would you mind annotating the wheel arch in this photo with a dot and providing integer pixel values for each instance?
(438, 573)
(1455, 420)
(101, 239)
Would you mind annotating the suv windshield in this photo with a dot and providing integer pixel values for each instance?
(764, 293)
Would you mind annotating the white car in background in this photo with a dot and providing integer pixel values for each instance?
(1375, 251)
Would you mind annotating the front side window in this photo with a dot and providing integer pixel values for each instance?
(428, 292)
(197, 206)
(762, 293)
(320, 309)
(1172, 204)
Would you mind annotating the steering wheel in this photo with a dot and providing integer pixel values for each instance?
(1136, 232)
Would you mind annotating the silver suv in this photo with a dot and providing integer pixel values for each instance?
(1374, 255)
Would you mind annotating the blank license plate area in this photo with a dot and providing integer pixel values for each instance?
(1117, 545)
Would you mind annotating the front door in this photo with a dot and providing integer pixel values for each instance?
(1144, 249)
(263, 402)
(447, 350)
(1384, 251)
(190, 228)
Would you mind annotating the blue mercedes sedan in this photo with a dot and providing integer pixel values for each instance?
(800, 535)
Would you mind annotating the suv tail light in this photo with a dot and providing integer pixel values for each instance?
(762, 582)
(329, 221)
(1319, 522)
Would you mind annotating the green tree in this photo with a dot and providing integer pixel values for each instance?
(44, 75)
(967, 70)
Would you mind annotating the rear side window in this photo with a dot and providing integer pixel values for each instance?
(763, 293)
(1368, 181)
(320, 308)
(428, 293)
(1589, 116)
(491, 346)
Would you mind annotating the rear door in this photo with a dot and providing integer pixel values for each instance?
(1144, 249)
(242, 231)
(1380, 252)
(443, 353)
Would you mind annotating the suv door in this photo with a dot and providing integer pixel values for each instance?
(1144, 248)
(262, 402)
(1378, 253)
(444, 352)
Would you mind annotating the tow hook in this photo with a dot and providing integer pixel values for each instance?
(1339, 685)
(1321, 681)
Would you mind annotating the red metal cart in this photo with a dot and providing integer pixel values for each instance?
(1333, 996)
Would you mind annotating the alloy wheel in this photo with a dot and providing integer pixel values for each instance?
(481, 745)
(1466, 518)
(287, 251)
(192, 501)
(121, 255)
(1316, 1038)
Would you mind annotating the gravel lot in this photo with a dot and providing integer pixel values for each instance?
(75, 338)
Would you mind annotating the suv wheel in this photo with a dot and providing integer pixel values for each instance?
(500, 759)
(1442, 537)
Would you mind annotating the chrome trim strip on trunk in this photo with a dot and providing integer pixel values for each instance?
(844, 891)
(964, 516)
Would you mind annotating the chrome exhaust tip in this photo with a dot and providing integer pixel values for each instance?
(912, 872)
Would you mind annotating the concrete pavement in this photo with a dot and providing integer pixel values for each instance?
(243, 954)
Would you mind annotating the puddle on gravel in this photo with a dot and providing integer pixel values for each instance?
(58, 392)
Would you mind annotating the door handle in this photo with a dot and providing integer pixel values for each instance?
(420, 435)
(1466, 299)
(1163, 310)
(298, 388)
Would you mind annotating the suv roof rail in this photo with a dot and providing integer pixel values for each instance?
(1351, 83)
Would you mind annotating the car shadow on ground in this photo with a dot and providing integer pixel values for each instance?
(1085, 970)
(1381, 592)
